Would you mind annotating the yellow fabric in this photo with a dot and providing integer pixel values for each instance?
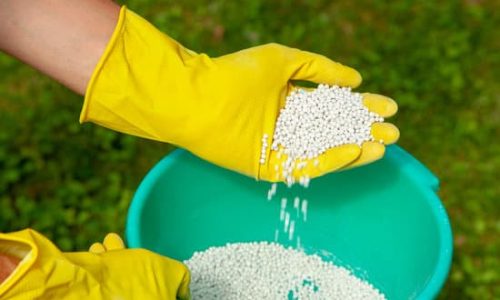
(147, 84)
(115, 273)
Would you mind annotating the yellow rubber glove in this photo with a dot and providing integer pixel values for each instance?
(107, 272)
(149, 85)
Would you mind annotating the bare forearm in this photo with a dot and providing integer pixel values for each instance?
(62, 38)
(8, 264)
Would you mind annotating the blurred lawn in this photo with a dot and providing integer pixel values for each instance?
(440, 61)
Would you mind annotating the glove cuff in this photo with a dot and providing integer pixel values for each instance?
(22, 244)
(84, 114)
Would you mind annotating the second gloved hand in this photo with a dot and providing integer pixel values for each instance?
(149, 85)
(107, 271)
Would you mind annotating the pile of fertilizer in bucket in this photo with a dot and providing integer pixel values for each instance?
(262, 270)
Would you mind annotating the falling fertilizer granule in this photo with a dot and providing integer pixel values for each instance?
(309, 124)
(262, 270)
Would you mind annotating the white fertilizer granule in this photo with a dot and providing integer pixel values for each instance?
(262, 270)
(311, 122)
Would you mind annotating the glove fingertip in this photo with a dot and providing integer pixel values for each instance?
(354, 77)
(385, 132)
(370, 152)
(97, 248)
(342, 75)
(338, 157)
(320, 69)
(113, 241)
(379, 104)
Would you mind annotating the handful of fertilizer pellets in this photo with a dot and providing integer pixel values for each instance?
(262, 270)
(311, 122)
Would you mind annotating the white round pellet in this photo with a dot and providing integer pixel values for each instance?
(312, 122)
(262, 270)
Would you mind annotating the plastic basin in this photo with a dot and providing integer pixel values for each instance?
(383, 221)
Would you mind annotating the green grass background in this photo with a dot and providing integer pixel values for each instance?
(439, 59)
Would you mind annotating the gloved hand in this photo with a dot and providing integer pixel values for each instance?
(147, 84)
(108, 271)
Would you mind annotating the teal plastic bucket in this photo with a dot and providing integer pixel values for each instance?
(383, 221)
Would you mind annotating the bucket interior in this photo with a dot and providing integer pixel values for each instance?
(382, 221)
